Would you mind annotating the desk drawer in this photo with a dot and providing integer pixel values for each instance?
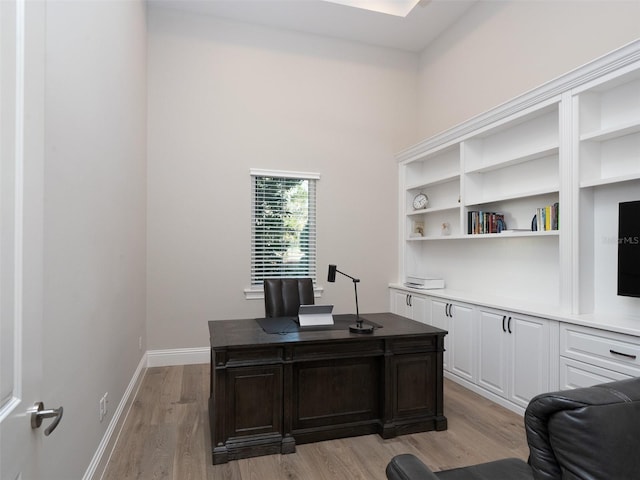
(233, 357)
(415, 344)
(614, 351)
(359, 348)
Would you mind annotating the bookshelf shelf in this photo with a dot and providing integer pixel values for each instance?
(491, 199)
(436, 181)
(432, 210)
(609, 181)
(483, 236)
(611, 132)
(545, 151)
(529, 233)
(435, 237)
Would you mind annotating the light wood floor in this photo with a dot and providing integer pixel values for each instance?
(166, 436)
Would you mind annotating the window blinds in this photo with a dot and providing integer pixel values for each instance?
(283, 225)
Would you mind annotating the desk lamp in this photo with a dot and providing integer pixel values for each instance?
(358, 327)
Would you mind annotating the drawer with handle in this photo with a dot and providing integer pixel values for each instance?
(610, 350)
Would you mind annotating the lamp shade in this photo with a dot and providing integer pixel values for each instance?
(331, 277)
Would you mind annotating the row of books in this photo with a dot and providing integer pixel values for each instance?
(479, 222)
(547, 218)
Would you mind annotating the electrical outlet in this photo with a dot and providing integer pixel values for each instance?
(140, 343)
(102, 406)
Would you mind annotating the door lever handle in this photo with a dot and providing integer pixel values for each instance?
(38, 413)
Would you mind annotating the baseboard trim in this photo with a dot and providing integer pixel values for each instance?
(486, 394)
(152, 358)
(101, 458)
(178, 356)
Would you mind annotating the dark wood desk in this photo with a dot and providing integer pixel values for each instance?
(270, 392)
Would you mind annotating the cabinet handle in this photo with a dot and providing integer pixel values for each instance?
(446, 310)
(409, 300)
(627, 355)
(509, 325)
(451, 310)
(504, 318)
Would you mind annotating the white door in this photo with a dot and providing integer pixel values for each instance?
(21, 167)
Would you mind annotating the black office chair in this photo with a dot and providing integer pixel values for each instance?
(283, 296)
(589, 432)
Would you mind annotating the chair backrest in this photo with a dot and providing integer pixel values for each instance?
(283, 296)
(586, 433)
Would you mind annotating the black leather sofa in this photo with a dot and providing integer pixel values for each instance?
(583, 434)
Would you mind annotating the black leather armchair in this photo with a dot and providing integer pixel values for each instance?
(283, 296)
(583, 434)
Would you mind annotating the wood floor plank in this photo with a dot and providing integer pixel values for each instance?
(166, 437)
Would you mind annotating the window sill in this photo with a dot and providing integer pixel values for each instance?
(258, 294)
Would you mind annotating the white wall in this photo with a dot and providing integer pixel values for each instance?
(501, 49)
(225, 97)
(94, 219)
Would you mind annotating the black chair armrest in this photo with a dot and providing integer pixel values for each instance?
(592, 431)
(408, 467)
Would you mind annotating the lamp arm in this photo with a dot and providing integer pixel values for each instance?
(346, 275)
(355, 288)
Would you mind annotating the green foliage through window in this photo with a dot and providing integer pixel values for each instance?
(283, 228)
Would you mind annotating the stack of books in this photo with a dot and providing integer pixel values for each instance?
(479, 222)
(547, 218)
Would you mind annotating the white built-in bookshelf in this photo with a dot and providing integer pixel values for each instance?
(573, 143)
(511, 166)
(606, 153)
(608, 128)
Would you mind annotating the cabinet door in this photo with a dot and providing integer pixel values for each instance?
(415, 307)
(493, 364)
(440, 319)
(248, 414)
(415, 376)
(462, 342)
(530, 344)
(420, 310)
(400, 303)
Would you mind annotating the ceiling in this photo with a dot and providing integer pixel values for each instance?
(339, 18)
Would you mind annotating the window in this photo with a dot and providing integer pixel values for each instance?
(283, 225)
